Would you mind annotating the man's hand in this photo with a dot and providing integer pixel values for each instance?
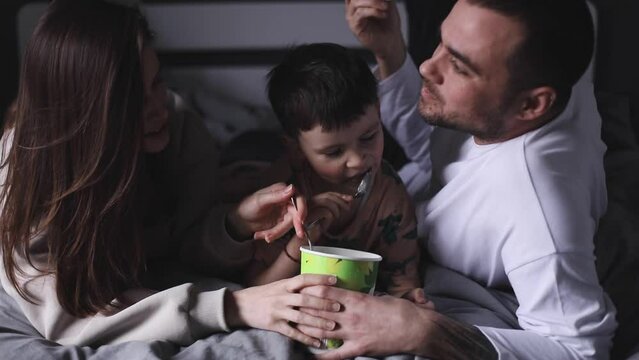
(378, 326)
(376, 25)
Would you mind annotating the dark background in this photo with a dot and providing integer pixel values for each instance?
(618, 55)
(8, 51)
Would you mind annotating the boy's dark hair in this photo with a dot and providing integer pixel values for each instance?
(558, 45)
(320, 83)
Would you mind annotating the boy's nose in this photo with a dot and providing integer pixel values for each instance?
(357, 161)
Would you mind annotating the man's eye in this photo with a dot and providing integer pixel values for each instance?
(456, 67)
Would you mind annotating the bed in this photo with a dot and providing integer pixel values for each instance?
(216, 55)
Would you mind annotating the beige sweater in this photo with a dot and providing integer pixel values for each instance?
(193, 231)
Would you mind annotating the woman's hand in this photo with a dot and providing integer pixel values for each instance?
(329, 209)
(275, 307)
(376, 24)
(267, 214)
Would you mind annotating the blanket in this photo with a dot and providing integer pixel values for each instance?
(19, 340)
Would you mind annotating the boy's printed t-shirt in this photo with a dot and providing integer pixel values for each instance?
(384, 224)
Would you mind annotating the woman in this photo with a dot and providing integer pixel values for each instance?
(107, 192)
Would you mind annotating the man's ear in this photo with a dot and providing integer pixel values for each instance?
(536, 103)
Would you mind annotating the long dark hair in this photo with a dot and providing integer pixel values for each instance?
(73, 167)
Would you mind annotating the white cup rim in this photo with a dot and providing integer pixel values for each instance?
(341, 253)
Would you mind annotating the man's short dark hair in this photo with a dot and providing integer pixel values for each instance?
(558, 44)
(320, 83)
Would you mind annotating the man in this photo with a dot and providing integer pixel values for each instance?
(516, 191)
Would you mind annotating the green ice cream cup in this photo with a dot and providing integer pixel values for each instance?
(355, 270)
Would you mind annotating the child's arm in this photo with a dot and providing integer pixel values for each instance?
(285, 265)
(329, 207)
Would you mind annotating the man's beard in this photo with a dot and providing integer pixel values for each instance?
(486, 125)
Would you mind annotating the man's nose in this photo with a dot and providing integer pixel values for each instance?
(430, 70)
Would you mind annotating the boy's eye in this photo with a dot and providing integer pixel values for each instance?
(333, 153)
(369, 137)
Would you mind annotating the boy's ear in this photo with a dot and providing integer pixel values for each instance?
(536, 103)
(293, 149)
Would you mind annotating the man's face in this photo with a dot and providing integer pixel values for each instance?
(465, 81)
(341, 157)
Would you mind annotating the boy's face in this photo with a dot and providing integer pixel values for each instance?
(342, 156)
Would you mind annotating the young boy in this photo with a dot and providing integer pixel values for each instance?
(326, 100)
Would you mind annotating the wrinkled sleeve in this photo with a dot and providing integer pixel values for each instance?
(181, 314)
(565, 314)
(399, 97)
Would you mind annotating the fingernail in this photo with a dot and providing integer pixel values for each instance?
(330, 325)
(336, 306)
(332, 280)
(317, 344)
(289, 188)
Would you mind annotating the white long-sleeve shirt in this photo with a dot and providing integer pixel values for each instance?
(518, 215)
(192, 232)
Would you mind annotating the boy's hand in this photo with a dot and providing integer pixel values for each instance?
(418, 297)
(330, 208)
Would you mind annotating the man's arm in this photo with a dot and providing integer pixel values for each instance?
(376, 24)
(399, 97)
(456, 340)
